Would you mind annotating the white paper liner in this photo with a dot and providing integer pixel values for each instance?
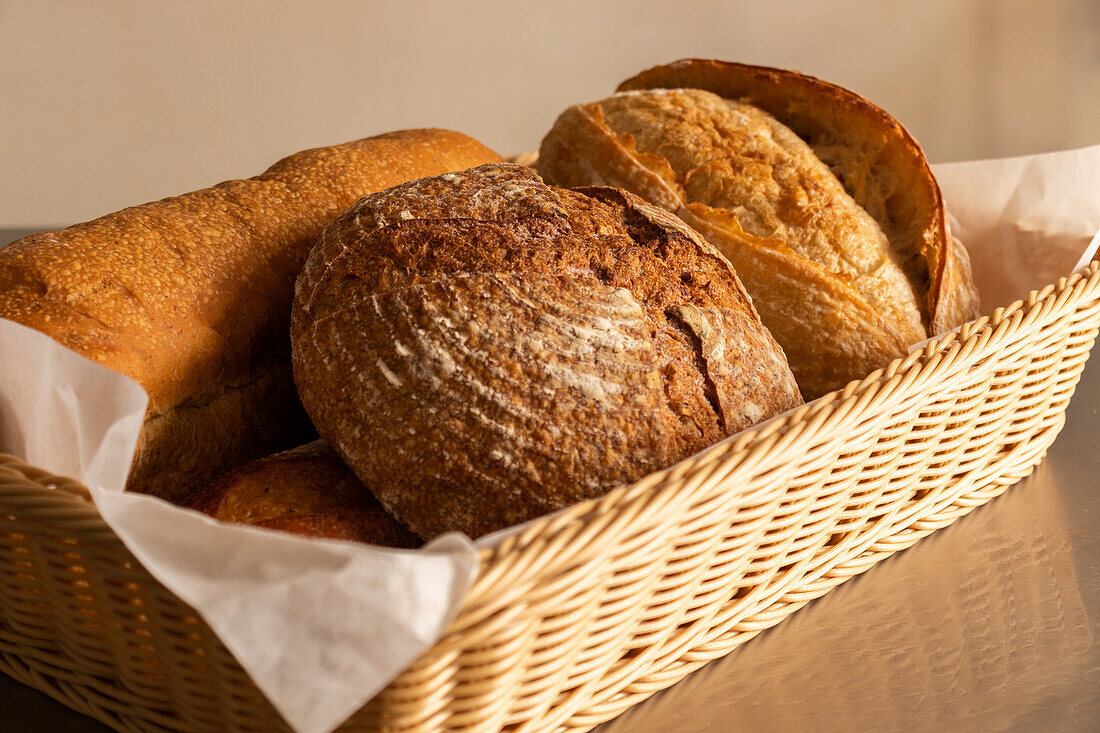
(321, 626)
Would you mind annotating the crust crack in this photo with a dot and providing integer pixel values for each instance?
(674, 316)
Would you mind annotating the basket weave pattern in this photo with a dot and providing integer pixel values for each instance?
(586, 613)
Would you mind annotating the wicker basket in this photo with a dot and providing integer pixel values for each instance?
(591, 611)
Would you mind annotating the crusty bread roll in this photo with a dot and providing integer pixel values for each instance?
(824, 204)
(308, 491)
(190, 296)
(482, 348)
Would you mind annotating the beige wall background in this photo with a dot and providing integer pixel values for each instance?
(115, 102)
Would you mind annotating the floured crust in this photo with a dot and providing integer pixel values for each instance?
(879, 241)
(190, 296)
(482, 348)
(308, 491)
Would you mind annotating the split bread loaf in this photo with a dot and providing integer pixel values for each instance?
(307, 491)
(481, 348)
(190, 296)
(823, 202)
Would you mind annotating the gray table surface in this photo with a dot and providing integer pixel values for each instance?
(989, 625)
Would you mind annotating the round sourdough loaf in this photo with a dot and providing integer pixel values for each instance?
(482, 348)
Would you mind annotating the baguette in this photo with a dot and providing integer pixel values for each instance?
(824, 204)
(190, 296)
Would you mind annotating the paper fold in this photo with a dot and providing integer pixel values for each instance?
(1026, 221)
(321, 626)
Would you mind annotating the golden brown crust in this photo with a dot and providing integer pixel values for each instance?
(308, 491)
(189, 295)
(741, 162)
(874, 156)
(829, 337)
(518, 348)
(682, 139)
(956, 296)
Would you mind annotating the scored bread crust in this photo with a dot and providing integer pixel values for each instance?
(306, 490)
(483, 349)
(878, 163)
(875, 157)
(190, 296)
